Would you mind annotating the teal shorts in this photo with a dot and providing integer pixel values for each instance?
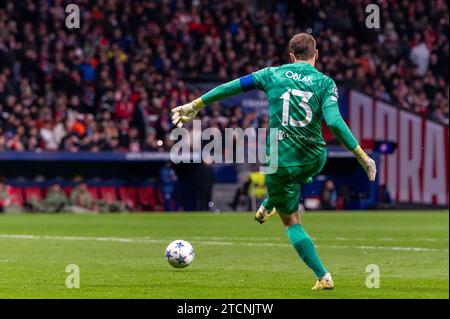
(283, 186)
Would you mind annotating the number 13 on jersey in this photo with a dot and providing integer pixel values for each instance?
(289, 120)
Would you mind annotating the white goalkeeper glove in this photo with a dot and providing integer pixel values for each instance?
(186, 113)
(366, 162)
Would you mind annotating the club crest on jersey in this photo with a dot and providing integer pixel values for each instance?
(298, 77)
(335, 89)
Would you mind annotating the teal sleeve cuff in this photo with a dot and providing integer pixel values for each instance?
(339, 128)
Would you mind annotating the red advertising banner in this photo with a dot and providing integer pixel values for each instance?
(418, 170)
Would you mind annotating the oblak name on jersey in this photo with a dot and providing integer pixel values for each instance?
(299, 77)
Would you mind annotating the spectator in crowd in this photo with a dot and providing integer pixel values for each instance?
(167, 181)
(420, 57)
(203, 185)
(253, 189)
(240, 191)
(257, 188)
(328, 198)
(55, 201)
(81, 200)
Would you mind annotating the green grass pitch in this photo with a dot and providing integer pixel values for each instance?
(122, 256)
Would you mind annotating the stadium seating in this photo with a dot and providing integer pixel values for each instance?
(150, 198)
(17, 197)
(94, 192)
(136, 198)
(33, 193)
(68, 190)
(146, 196)
(129, 197)
(108, 194)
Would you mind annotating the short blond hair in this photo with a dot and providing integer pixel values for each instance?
(302, 46)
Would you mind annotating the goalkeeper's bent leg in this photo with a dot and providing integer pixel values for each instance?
(302, 243)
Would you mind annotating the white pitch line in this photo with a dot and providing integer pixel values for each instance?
(417, 239)
(148, 240)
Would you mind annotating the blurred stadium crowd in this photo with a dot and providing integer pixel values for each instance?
(110, 84)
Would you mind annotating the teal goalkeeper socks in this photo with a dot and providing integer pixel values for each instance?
(305, 249)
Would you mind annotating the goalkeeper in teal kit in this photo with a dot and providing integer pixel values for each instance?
(299, 96)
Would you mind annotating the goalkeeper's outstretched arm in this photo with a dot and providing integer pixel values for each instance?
(340, 129)
(187, 112)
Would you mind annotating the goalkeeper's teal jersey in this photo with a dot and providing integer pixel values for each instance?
(297, 94)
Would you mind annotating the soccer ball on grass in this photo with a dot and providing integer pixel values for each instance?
(180, 253)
